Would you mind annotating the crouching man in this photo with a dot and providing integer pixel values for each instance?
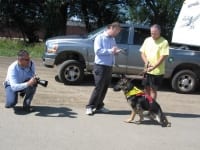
(20, 80)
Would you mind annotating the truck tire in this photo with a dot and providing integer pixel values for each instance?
(71, 72)
(184, 81)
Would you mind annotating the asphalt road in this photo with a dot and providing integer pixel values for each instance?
(59, 121)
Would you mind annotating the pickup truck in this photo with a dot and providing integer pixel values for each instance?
(74, 56)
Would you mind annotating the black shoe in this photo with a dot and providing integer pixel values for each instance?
(28, 109)
(9, 106)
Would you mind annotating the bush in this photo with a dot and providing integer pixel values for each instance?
(10, 47)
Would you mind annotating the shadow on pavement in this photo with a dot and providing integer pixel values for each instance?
(126, 112)
(178, 115)
(48, 111)
(120, 112)
(181, 115)
(147, 122)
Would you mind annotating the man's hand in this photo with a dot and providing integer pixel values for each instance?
(115, 50)
(150, 68)
(32, 81)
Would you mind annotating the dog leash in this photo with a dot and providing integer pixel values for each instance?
(144, 70)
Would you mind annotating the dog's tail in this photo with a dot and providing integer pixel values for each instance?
(163, 119)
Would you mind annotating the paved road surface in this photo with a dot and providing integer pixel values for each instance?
(60, 122)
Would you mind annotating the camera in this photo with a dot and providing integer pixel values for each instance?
(43, 83)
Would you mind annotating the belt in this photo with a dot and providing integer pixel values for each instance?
(103, 65)
(5, 83)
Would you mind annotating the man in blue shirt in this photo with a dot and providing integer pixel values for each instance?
(20, 79)
(105, 48)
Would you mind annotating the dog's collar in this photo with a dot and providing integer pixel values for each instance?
(134, 91)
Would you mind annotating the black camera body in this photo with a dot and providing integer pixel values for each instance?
(43, 83)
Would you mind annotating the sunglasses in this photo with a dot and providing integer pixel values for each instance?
(26, 59)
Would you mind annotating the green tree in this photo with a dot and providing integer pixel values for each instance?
(55, 17)
(23, 15)
(99, 12)
(162, 12)
(31, 15)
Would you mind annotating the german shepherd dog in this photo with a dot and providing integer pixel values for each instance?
(140, 102)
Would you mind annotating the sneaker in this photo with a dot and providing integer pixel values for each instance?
(89, 111)
(104, 110)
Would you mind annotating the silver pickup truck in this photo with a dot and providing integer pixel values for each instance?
(74, 56)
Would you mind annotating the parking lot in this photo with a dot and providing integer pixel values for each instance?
(60, 121)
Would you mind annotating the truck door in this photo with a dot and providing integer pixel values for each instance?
(120, 65)
(135, 62)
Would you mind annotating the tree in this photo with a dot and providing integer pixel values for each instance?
(24, 15)
(56, 17)
(31, 15)
(162, 12)
(99, 12)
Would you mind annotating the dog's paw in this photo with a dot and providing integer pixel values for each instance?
(169, 124)
(128, 120)
(138, 122)
(166, 124)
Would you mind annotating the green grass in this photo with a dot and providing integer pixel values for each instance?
(10, 48)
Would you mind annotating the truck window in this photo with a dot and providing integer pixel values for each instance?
(140, 35)
(122, 37)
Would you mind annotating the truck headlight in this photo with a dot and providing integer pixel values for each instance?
(52, 48)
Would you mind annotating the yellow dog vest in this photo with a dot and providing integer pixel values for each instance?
(134, 91)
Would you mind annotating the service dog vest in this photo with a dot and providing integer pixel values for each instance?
(133, 92)
(137, 92)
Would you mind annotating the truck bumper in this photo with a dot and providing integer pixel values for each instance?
(48, 60)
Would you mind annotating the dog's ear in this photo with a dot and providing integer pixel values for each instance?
(129, 85)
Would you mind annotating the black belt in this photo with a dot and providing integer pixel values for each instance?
(103, 65)
(5, 83)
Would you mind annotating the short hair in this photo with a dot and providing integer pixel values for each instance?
(22, 53)
(157, 26)
(114, 25)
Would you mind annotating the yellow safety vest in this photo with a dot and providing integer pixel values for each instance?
(134, 91)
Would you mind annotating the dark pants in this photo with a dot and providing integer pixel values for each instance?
(102, 77)
(153, 81)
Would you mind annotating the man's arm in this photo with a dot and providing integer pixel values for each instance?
(17, 82)
(144, 58)
(152, 67)
(13, 80)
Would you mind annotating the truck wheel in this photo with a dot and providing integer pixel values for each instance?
(71, 72)
(184, 81)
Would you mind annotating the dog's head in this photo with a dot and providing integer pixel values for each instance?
(125, 84)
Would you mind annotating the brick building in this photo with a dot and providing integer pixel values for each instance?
(72, 27)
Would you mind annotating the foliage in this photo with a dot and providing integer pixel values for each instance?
(100, 12)
(162, 12)
(29, 16)
(24, 15)
(10, 47)
(55, 17)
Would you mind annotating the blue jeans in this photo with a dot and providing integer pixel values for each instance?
(12, 96)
